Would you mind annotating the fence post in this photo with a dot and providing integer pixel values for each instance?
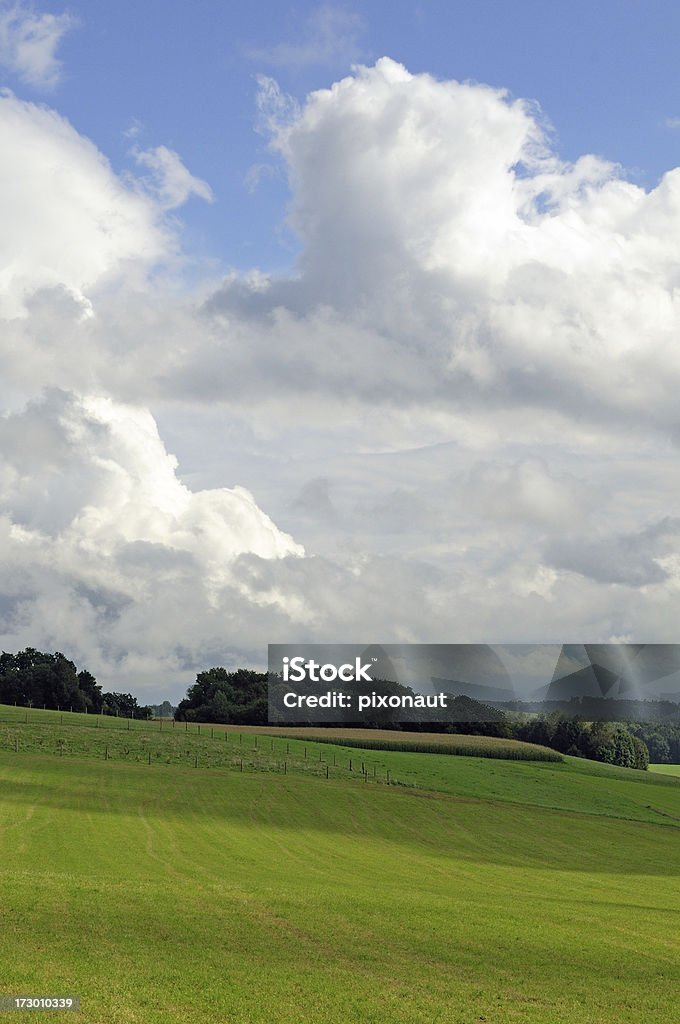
(149, 757)
(241, 764)
(350, 764)
(106, 753)
(326, 771)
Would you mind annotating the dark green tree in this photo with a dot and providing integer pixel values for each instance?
(124, 705)
(218, 695)
(33, 677)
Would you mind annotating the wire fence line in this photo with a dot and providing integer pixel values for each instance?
(465, 746)
(166, 742)
(205, 749)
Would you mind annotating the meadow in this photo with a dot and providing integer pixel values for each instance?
(672, 770)
(465, 889)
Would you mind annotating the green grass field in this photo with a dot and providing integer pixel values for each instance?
(472, 889)
(672, 770)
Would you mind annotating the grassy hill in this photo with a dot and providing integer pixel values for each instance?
(666, 769)
(473, 889)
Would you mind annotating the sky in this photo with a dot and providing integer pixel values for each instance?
(336, 323)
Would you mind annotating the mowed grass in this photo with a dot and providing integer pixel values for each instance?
(573, 784)
(670, 770)
(169, 893)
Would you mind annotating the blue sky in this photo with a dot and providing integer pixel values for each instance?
(336, 323)
(605, 74)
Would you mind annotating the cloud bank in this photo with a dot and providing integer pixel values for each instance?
(458, 409)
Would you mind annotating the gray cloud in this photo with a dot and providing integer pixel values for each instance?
(314, 500)
(634, 559)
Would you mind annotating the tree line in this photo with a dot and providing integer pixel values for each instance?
(610, 742)
(662, 739)
(240, 697)
(33, 678)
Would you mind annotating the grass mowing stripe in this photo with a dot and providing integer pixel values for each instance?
(219, 898)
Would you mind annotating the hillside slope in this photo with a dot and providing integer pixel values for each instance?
(167, 893)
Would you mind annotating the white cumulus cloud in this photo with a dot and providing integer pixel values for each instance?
(445, 240)
(93, 514)
(67, 219)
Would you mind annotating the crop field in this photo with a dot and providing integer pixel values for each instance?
(466, 889)
(430, 743)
